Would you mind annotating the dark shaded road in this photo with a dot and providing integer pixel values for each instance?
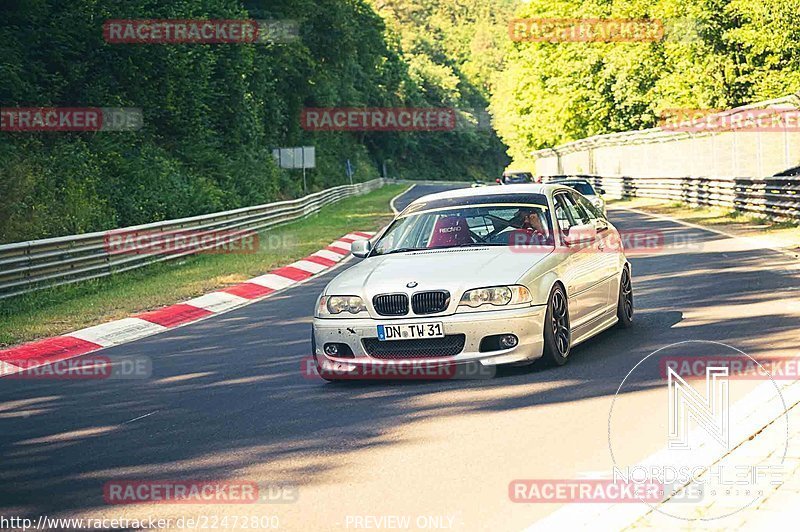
(228, 400)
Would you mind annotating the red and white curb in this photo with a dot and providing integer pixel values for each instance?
(78, 343)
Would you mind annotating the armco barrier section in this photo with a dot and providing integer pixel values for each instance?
(773, 197)
(37, 264)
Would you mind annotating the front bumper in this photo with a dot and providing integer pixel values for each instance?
(526, 323)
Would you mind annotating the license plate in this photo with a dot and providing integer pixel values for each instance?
(410, 331)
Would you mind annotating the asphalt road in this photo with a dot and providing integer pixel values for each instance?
(227, 400)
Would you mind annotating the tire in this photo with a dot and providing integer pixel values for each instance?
(557, 332)
(625, 300)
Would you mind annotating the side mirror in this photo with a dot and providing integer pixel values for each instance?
(601, 190)
(580, 234)
(601, 225)
(361, 248)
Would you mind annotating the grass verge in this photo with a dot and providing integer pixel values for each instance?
(63, 309)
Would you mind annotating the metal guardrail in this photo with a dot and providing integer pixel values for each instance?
(430, 182)
(774, 197)
(701, 167)
(38, 264)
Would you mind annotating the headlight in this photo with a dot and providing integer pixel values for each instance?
(333, 305)
(498, 296)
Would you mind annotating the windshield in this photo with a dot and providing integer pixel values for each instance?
(469, 225)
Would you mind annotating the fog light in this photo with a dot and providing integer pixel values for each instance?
(331, 349)
(498, 342)
(508, 341)
(338, 350)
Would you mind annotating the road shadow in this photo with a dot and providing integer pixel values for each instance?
(230, 392)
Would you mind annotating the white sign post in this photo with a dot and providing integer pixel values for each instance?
(296, 158)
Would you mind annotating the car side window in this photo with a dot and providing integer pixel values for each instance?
(565, 215)
(586, 207)
(576, 214)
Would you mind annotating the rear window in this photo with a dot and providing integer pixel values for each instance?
(584, 188)
(517, 177)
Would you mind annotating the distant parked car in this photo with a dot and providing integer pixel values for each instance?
(791, 172)
(584, 187)
(511, 177)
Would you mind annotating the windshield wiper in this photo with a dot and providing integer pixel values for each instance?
(471, 244)
(479, 244)
(402, 250)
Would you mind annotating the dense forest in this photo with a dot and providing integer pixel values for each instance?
(714, 54)
(214, 112)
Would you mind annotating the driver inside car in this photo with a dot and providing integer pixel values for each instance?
(529, 229)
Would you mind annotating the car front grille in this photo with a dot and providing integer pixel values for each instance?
(391, 304)
(448, 346)
(430, 302)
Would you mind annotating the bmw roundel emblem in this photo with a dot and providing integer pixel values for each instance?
(412, 284)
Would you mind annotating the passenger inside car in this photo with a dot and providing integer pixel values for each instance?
(450, 231)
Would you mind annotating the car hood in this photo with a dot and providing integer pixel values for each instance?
(455, 270)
